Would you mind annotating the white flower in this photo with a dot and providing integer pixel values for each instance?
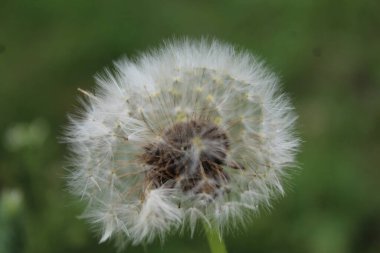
(192, 132)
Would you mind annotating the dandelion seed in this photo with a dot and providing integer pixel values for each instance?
(194, 132)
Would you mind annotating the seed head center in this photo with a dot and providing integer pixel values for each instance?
(197, 143)
(190, 155)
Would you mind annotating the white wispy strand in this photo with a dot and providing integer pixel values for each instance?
(157, 216)
(135, 104)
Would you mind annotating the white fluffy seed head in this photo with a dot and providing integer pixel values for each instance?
(193, 132)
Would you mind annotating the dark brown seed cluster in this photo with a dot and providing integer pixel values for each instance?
(190, 156)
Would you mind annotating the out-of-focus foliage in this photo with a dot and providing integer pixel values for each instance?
(327, 54)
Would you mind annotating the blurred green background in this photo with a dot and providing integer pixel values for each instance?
(326, 52)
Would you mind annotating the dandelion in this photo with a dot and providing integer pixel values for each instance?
(192, 133)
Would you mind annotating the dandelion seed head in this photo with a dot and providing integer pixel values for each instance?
(193, 132)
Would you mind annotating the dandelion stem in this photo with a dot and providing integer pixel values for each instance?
(215, 242)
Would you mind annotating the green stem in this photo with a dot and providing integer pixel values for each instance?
(215, 242)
